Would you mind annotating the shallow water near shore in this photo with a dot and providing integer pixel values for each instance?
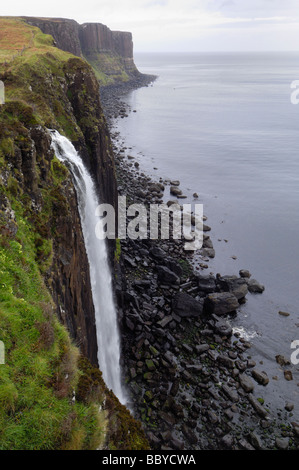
(224, 125)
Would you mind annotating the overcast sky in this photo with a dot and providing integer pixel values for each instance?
(182, 25)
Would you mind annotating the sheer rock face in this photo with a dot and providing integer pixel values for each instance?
(110, 52)
(98, 37)
(65, 32)
(68, 276)
(52, 203)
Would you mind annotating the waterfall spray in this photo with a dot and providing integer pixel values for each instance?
(101, 282)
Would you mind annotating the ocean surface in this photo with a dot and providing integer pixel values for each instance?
(224, 125)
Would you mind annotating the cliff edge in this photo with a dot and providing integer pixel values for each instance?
(110, 53)
(52, 395)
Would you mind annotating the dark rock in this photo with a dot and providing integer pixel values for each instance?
(233, 284)
(288, 375)
(260, 377)
(254, 286)
(210, 252)
(261, 411)
(246, 383)
(225, 361)
(256, 441)
(289, 406)
(165, 276)
(223, 328)
(230, 393)
(157, 253)
(140, 193)
(177, 444)
(175, 191)
(174, 388)
(174, 267)
(212, 417)
(187, 348)
(156, 187)
(244, 273)
(282, 443)
(228, 441)
(189, 434)
(207, 283)
(245, 444)
(185, 305)
(129, 261)
(281, 360)
(130, 324)
(164, 322)
(168, 418)
(220, 303)
(201, 348)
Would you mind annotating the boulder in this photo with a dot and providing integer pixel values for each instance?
(174, 266)
(223, 328)
(201, 348)
(230, 393)
(185, 305)
(175, 191)
(207, 283)
(255, 287)
(233, 284)
(282, 443)
(220, 303)
(244, 273)
(261, 411)
(165, 276)
(157, 253)
(260, 376)
(246, 383)
(156, 187)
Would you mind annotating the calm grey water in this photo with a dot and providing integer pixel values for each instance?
(224, 125)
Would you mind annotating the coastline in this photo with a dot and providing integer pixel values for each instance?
(192, 380)
(111, 95)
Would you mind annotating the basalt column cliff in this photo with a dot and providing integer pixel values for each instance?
(52, 394)
(110, 53)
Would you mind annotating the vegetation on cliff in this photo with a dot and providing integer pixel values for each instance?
(110, 53)
(51, 397)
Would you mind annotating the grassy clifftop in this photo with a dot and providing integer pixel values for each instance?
(51, 397)
(32, 70)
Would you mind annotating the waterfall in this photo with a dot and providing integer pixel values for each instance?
(101, 283)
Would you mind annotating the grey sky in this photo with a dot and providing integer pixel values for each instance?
(183, 25)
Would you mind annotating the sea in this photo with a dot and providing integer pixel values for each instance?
(226, 126)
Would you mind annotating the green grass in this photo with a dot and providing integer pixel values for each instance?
(108, 68)
(41, 372)
(43, 369)
(32, 70)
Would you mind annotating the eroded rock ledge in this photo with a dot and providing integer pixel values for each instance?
(109, 52)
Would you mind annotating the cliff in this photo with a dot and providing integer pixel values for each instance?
(109, 52)
(47, 319)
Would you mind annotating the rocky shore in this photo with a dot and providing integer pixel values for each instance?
(191, 379)
(111, 96)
